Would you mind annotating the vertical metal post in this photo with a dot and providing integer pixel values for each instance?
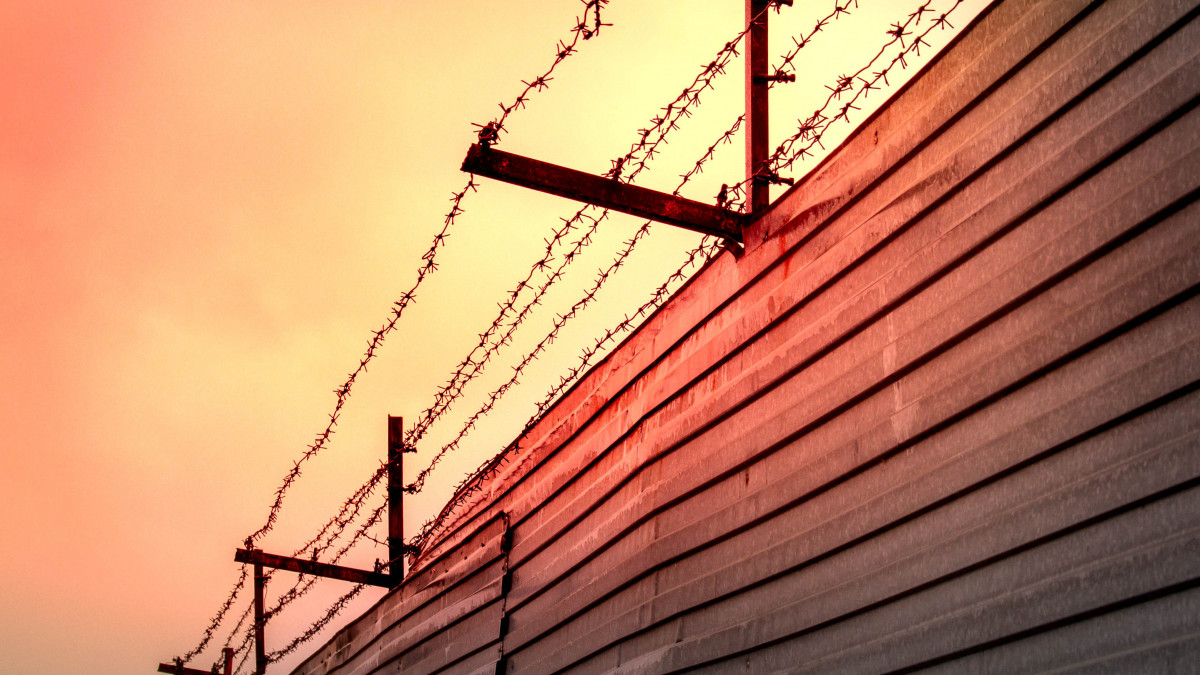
(757, 121)
(228, 651)
(395, 491)
(260, 647)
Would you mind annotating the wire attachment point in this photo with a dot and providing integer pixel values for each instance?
(489, 134)
(765, 177)
(777, 76)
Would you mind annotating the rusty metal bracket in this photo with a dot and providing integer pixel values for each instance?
(604, 192)
(178, 668)
(774, 77)
(317, 569)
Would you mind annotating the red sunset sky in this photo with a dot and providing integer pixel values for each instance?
(206, 209)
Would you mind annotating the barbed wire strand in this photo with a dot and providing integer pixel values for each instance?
(662, 125)
(581, 30)
(585, 28)
(560, 321)
(647, 143)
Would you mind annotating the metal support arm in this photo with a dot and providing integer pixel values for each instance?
(604, 192)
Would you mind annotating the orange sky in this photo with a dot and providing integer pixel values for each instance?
(207, 208)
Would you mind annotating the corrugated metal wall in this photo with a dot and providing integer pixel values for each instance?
(943, 413)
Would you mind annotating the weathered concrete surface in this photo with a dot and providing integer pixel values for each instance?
(944, 412)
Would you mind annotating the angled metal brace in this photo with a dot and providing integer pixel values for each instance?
(604, 192)
(318, 569)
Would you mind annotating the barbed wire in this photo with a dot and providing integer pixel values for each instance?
(647, 143)
(787, 64)
(241, 621)
(724, 139)
(662, 125)
(318, 625)
(698, 256)
(706, 249)
(217, 618)
(813, 128)
(244, 650)
(490, 134)
(474, 363)
(303, 584)
(477, 365)
(586, 27)
(377, 337)
(709, 246)
(343, 393)
(581, 30)
(647, 147)
(659, 128)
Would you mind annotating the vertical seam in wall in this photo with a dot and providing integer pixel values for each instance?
(505, 586)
